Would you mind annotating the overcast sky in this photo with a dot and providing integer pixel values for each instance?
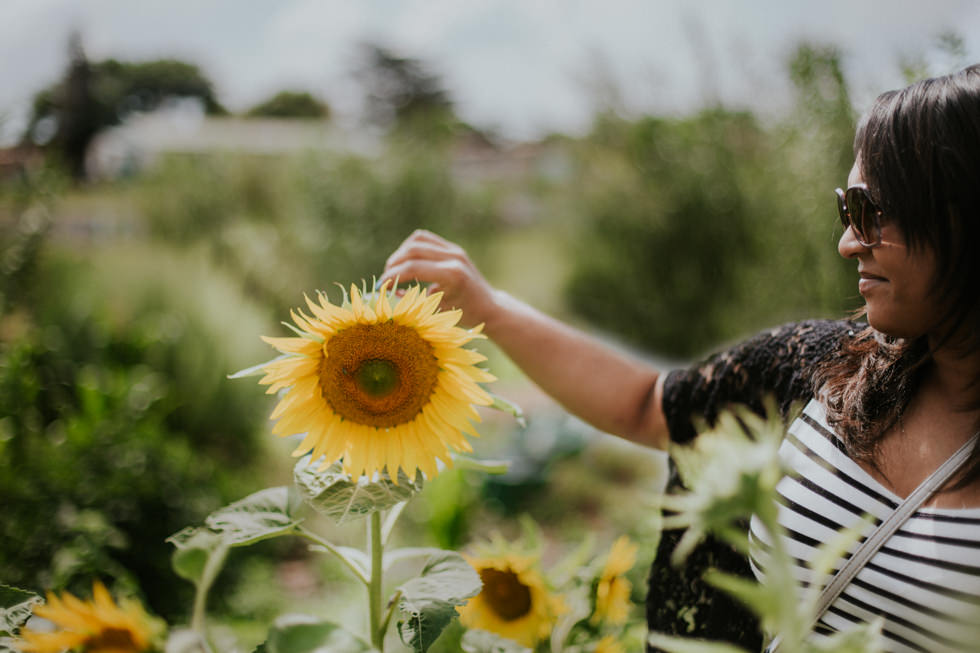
(523, 67)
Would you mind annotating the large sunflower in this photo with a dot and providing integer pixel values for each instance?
(515, 601)
(96, 626)
(612, 600)
(378, 383)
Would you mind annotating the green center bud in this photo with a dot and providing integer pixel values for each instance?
(377, 377)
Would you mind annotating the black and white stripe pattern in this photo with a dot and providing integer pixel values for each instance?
(925, 580)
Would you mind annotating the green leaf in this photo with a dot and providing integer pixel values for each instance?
(451, 639)
(16, 607)
(264, 514)
(333, 493)
(863, 638)
(201, 550)
(428, 602)
(482, 641)
(184, 640)
(683, 645)
(303, 634)
(392, 558)
(509, 407)
(195, 547)
(257, 370)
(494, 467)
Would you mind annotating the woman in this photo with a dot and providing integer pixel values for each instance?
(888, 401)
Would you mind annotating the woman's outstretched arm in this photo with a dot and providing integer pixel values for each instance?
(606, 387)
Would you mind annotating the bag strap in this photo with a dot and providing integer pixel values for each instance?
(886, 529)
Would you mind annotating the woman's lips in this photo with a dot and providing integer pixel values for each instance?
(868, 281)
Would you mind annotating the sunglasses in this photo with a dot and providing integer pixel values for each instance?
(859, 212)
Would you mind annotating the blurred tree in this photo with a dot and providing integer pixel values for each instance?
(402, 93)
(66, 116)
(693, 227)
(950, 49)
(290, 104)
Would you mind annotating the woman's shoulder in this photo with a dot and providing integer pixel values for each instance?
(779, 362)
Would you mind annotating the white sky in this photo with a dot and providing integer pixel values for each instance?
(524, 67)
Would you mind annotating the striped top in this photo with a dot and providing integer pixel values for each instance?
(924, 581)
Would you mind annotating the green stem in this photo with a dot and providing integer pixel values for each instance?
(374, 588)
(392, 604)
(211, 568)
(313, 537)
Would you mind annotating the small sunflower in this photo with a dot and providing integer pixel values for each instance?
(379, 384)
(515, 601)
(96, 626)
(612, 599)
(608, 644)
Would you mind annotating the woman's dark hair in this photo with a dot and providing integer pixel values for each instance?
(920, 157)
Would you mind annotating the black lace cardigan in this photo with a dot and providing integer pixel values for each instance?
(779, 363)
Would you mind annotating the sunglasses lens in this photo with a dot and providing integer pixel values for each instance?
(863, 215)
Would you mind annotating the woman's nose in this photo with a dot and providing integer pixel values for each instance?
(848, 245)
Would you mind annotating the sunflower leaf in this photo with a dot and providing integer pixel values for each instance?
(684, 645)
(333, 493)
(259, 516)
(259, 369)
(264, 514)
(495, 467)
(296, 633)
(199, 555)
(185, 640)
(483, 641)
(509, 407)
(428, 602)
(16, 606)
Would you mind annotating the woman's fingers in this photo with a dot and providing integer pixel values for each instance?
(429, 258)
(424, 246)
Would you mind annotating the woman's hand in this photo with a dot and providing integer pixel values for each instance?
(429, 258)
(607, 388)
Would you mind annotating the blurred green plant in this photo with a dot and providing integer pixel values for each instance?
(732, 471)
(283, 224)
(113, 432)
(691, 226)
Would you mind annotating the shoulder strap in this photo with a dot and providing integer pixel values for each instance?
(887, 528)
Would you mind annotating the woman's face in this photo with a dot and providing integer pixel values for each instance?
(895, 281)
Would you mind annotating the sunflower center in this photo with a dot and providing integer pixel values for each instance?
(379, 375)
(112, 639)
(506, 595)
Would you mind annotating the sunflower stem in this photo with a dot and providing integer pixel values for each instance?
(374, 587)
(203, 587)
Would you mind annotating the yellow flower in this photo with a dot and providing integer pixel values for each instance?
(612, 600)
(377, 383)
(514, 603)
(96, 626)
(608, 644)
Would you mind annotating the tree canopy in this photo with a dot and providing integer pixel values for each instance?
(290, 104)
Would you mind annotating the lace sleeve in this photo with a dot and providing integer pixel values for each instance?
(779, 363)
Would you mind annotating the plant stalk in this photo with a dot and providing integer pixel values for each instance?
(374, 588)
